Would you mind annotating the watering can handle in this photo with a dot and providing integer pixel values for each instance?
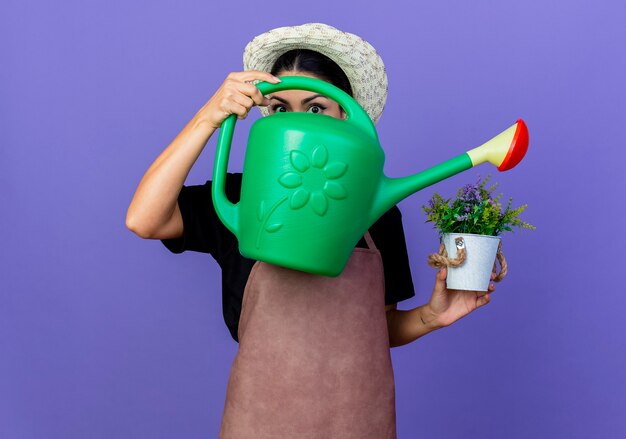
(355, 115)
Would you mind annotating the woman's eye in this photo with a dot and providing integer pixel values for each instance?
(278, 108)
(316, 109)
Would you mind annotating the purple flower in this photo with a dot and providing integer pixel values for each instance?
(471, 193)
(462, 217)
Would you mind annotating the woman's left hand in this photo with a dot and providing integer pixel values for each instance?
(448, 306)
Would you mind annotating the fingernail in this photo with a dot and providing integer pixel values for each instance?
(277, 79)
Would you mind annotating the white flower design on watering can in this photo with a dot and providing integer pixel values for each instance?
(316, 188)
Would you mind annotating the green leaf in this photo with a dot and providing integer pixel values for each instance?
(261, 211)
(272, 228)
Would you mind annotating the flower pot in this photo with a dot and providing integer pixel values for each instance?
(480, 254)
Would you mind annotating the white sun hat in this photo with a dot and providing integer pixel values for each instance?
(356, 57)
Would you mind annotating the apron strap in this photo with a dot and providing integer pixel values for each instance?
(369, 241)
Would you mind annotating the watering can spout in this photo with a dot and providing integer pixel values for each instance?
(393, 190)
(504, 151)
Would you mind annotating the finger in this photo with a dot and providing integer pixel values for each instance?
(483, 300)
(492, 287)
(252, 75)
(254, 93)
(243, 100)
(246, 88)
(235, 108)
(234, 86)
(440, 279)
(259, 99)
(493, 275)
(442, 274)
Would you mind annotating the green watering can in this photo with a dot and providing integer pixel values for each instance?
(312, 184)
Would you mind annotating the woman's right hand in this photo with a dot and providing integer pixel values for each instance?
(154, 212)
(236, 95)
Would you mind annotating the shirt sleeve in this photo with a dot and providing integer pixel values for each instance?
(202, 229)
(388, 235)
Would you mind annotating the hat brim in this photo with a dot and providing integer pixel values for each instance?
(355, 56)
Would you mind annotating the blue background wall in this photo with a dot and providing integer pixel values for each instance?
(106, 335)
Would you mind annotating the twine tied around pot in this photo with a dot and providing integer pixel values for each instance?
(438, 260)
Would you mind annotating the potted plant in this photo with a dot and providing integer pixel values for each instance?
(469, 229)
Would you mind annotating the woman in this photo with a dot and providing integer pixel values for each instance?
(313, 358)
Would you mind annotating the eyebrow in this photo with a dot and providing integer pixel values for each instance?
(304, 101)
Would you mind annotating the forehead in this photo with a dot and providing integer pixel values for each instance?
(295, 95)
